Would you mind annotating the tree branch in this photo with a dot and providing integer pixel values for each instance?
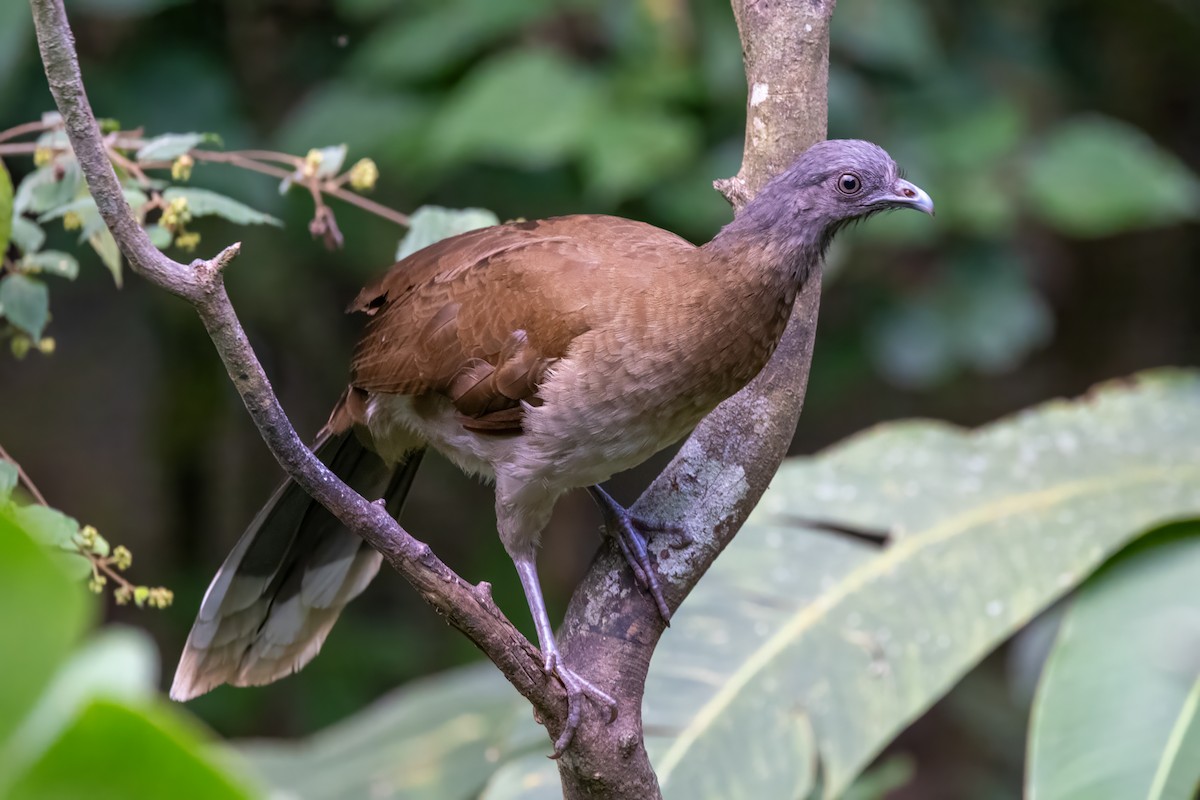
(612, 627)
(468, 608)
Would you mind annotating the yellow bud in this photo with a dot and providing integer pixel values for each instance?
(72, 221)
(88, 534)
(96, 584)
(312, 161)
(20, 345)
(42, 156)
(161, 597)
(123, 595)
(46, 345)
(187, 241)
(122, 558)
(363, 175)
(176, 214)
(181, 169)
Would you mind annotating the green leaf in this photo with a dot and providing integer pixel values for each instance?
(169, 146)
(42, 613)
(25, 302)
(330, 165)
(894, 35)
(85, 208)
(105, 245)
(8, 480)
(795, 627)
(51, 262)
(1117, 713)
(202, 202)
(429, 224)
(117, 664)
(985, 315)
(437, 738)
(45, 188)
(332, 159)
(93, 759)
(443, 35)
(629, 151)
(1094, 176)
(49, 526)
(159, 236)
(6, 208)
(531, 108)
(27, 235)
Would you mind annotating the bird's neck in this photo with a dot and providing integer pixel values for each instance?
(761, 247)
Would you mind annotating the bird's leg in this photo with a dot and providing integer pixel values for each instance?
(577, 688)
(630, 531)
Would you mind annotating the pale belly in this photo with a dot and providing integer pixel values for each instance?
(561, 448)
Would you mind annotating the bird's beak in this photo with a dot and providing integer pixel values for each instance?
(909, 195)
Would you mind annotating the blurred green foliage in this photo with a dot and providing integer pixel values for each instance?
(81, 719)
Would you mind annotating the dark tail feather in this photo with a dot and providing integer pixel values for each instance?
(274, 600)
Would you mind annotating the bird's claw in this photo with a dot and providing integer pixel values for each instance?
(578, 690)
(630, 532)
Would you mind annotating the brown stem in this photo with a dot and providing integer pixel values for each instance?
(24, 478)
(718, 476)
(24, 129)
(469, 608)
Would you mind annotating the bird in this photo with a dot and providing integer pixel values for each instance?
(545, 356)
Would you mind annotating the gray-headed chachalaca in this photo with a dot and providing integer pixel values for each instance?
(546, 355)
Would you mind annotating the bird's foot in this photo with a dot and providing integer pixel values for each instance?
(578, 690)
(631, 531)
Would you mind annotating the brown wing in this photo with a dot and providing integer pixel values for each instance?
(482, 316)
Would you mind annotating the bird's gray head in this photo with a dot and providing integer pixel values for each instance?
(833, 183)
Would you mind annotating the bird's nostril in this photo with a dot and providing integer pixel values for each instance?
(907, 192)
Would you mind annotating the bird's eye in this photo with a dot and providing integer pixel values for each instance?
(849, 183)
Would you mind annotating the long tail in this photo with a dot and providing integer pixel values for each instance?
(272, 603)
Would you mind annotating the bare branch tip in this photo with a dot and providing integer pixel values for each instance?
(222, 259)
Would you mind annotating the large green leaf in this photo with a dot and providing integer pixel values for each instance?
(115, 751)
(438, 739)
(117, 663)
(1117, 714)
(441, 35)
(795, 628)
(25, 302)
(202, 202)
(1095, 176)
(42, 613)
(429, 224)
(169, 146)
(532, 108)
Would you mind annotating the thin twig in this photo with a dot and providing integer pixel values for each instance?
(24, 129)
(24, 478)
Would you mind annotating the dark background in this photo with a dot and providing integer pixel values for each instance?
(1057, 260)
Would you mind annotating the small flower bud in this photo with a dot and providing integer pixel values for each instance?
(20, 345)
(161, 597)
(87, 536)
(187, 241)
(123, 595)
(176, 214)
(312, 162)
(72, 221)
(46, 345)
(181, 168)
(42, 156)
(140, 593)
(363, 175)
(122, 558)
(97, 583)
